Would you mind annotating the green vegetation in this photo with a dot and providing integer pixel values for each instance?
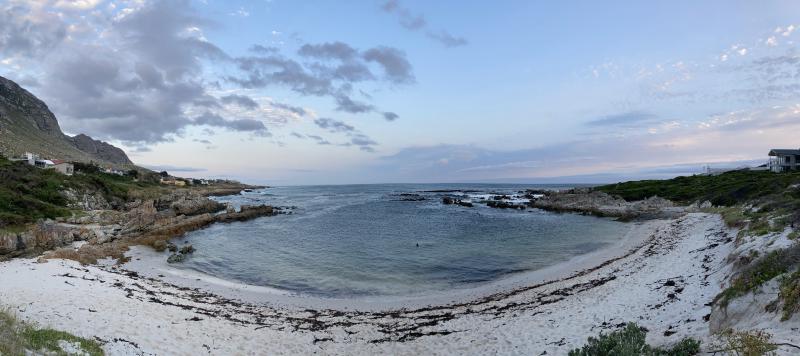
(761, 271)
(790, 294)
(28, 193)
(18, 338)
(630, 341)
(725, 189)
(745, 343)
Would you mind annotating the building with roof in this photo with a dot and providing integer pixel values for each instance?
(782, 160)
(63, 167)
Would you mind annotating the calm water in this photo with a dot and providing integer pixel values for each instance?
(362, 240)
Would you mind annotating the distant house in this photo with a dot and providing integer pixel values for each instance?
(173, 181)
(63, 167)
(783, 160)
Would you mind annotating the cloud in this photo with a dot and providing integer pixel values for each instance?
(241, 100)
(215, 120)
(447, 39)
(394, 63)
(417, 22)
(319, 139)
(333, 125)
(294, 109)
(170, 168)
(332, 50)
(29, 32)
(363, 142)
(143, 72)
(337, 68)
(390, 116)
(627, 119)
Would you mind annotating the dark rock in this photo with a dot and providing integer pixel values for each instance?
(176, 258)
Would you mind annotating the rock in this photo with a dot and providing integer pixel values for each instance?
(451, 201)
(176, 258)
(195, 205)
(171, 247)
(504, 205)
(187, 249)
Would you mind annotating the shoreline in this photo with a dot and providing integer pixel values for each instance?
(153, 264)
(555, 316)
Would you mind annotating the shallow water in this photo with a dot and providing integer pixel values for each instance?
(362, 240)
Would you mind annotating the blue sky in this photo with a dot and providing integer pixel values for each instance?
(314, 92)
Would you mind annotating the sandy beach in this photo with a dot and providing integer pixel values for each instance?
(664, 279)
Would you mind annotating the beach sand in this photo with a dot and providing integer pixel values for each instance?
(662, 276)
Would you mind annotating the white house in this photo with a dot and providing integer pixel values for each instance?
(783, 160)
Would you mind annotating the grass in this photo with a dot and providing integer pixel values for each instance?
(630, 341)
(19, 338)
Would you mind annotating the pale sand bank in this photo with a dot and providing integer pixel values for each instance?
(518, 315)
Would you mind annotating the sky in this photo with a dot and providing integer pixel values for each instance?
(287, 92)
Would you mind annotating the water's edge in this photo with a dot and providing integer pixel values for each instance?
(153, 265)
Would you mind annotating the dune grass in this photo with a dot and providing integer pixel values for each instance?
(19, 338)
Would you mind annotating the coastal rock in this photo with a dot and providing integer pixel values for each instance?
(585, 200)
(176, 258)
(446, 200)
(195, 205)
(86, 201)
(504, 205)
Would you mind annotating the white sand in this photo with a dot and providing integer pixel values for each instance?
(139, 315)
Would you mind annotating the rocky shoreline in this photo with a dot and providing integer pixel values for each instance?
(106, 231)
(577, 200)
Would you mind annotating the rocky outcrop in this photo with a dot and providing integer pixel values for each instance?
(601, 204)
(102, 150)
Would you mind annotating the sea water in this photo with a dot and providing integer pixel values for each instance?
(371, 240)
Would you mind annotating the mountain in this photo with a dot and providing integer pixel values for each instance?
(27, 125)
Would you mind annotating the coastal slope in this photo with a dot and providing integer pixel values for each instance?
(28, 125)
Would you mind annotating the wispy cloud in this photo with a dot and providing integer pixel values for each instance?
(417, 22)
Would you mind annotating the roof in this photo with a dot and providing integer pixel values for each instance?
(783, 152)
(58, 161)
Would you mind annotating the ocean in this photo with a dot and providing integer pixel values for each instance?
(390, 239)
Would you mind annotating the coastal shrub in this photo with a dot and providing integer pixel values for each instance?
(761, 271)
(19, 338)
(28, 193)
(726, 189)
(790, 294)
(745, 343)
(630, 341)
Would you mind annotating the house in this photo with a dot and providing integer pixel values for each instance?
(63, 167)
(173, 181)
(783, 160)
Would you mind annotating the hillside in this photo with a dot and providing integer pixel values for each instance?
(27, 125)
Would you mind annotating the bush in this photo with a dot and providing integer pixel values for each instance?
(746, 343)
(28, 193)
(790, 293)
(763, 270)
(725, 189)
(630, 341)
